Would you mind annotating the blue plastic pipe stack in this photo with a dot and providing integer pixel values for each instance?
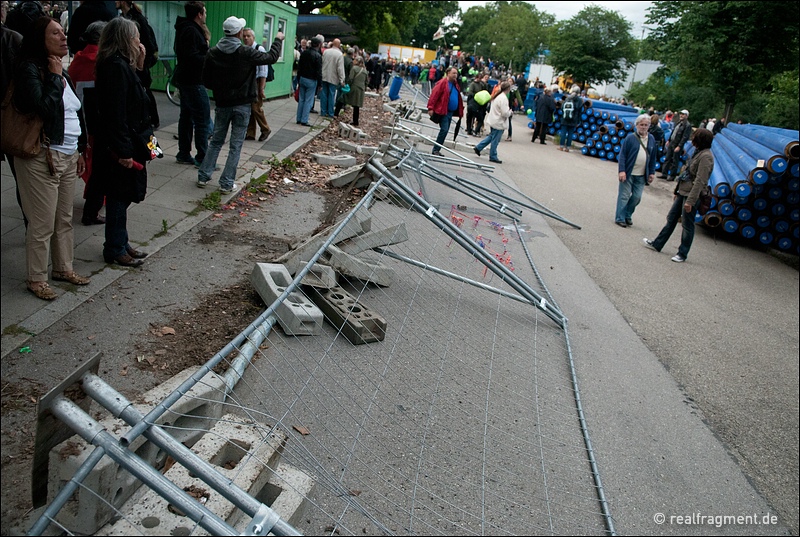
(603, 128)
(756, 184)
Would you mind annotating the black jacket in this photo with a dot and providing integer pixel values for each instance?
(37, 90)
(124, 131)
(84, 15)
(683, 130)
(191, 48)
(545, 106)
(147, 37)
(577, 110)
(310, 65)
(229, 70)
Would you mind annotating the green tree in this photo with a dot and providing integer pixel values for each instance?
(594, 46)
(732, 47)
(783, 102)
(517, 29)
(376, 22)
(430, 16)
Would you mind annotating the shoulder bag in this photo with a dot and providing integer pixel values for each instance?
(22, 134)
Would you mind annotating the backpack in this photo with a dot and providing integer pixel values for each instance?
(568, 108)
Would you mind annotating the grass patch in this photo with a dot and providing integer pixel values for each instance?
(212, 201)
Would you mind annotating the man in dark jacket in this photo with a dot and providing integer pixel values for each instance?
(229, 72)
(674, 147)
(309, 78)
(191, 46)
(85, 14)
(545, 106)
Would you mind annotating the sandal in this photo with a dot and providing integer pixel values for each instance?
(42, 290)
(71, 277)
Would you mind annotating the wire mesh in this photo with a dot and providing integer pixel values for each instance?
(437, 396)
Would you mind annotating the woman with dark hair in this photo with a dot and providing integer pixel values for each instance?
(47, 181)
(687, 193)
(122, 151)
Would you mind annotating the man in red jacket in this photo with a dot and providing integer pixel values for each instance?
(444, 102)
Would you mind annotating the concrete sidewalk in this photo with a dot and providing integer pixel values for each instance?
(171, 202)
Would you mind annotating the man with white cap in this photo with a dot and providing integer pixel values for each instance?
(229, 71)
(674, 147)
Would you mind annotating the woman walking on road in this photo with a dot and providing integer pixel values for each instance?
(687, 195)
(497, 120)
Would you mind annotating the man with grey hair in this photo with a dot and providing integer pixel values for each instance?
(229, 72)
(332, 78)
(257, 113)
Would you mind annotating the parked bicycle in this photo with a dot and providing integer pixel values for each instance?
(173, 93)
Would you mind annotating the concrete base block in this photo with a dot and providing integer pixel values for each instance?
(297, 315)
(190, 417)
(373, 239)
(295, 259)
(344, 130)
(356, 322)
(335, 160)
(356, 267)
(239, 452)
(346, 145)
(320, 276)
(345, 177)
(371, 94)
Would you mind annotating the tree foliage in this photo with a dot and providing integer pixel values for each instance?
(518, 30)
(430, 16)
(376, 22)
(732, 47)
(593, 46)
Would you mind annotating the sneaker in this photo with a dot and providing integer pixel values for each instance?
(629, 222)
(649, 244)
(678, 258)
(188, 161)
(230, 190)
(621, 224)
(201, 183)
(477, 151)
(496, 160)
(264, 135)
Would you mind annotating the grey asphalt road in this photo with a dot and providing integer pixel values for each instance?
(723, 326)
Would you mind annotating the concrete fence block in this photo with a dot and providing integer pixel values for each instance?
(335, 160)
(248, 455)
(298, 256)
(320, 276)
(356, 322)
(374, 239)
(347, 145)
(345, 177)
(187, 421)
(356, 267)
(297, 315)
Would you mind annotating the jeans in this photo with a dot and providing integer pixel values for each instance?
(444, 128)
(237, 117)
(308, 89)
(327, 99)
(687, 221)
(628, 197)
(492, 138)
(116, 228)
(195, 112)
(566, 135)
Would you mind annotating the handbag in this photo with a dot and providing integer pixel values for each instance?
(437, 118)
(22, 134)
(297, 93)
(704, 201)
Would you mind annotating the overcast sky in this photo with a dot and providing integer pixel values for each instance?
(634, 12)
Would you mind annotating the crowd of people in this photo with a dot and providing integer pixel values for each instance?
(109, 77)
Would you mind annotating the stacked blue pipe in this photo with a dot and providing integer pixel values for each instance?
(603, 128)
(756, 185)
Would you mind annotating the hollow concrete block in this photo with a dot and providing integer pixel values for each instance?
(356, 322)
(297, 315)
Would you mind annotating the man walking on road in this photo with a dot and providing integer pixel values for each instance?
(257, 113)
(229, 72)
